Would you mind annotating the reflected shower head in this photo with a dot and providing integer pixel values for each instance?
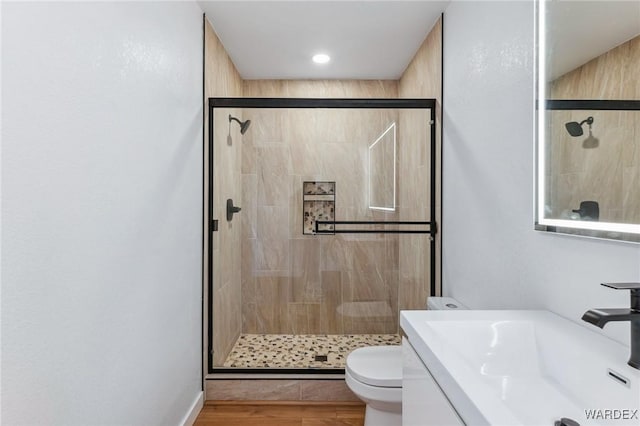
(575, 129)
(244, 125)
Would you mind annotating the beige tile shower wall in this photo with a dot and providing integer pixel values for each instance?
(295, 283)
(320, 88)
(222, 80)
(609, 172)
(421, 79)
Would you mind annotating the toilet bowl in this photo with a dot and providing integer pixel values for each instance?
(374, 374)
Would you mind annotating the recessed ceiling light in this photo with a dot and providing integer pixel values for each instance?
(321, 58)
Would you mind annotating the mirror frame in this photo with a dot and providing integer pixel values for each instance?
(606, 230)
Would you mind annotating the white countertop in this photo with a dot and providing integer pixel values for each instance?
(523, 367)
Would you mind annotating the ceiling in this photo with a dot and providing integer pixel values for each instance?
(365, 39)
(377, 39)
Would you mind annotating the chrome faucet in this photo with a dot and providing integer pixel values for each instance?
(599, 317)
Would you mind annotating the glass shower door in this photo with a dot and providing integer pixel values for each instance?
(333, 235)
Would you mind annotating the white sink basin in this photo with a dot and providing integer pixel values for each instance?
(524, 367)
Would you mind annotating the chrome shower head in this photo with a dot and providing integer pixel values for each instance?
(575, 129)
(244, 125)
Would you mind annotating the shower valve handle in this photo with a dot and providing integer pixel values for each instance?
(231, 209)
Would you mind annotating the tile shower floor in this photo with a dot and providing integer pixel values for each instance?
(300, 351)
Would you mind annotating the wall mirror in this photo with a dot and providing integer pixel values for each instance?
(382, 171)
(588, 118)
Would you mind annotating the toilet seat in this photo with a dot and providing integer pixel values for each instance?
(388, 399)
(379, 366)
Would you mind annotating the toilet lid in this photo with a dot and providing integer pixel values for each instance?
(377, 366)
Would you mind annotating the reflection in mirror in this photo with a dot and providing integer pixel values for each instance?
(588, 135)
(382, 171)
(588, 46)
(592, 162)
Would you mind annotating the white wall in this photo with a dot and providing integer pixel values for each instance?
(492, 257)
(101, 212)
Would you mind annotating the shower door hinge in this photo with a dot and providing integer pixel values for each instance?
(214, 225)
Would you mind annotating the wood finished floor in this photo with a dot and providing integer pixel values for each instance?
(281, 414)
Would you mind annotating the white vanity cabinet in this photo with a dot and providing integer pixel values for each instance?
(423, 402)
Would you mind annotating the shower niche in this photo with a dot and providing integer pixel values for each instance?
(318, 204)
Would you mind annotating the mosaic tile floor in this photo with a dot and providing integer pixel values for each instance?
(300, 351)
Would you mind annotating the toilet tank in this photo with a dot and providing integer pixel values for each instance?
(443, 304)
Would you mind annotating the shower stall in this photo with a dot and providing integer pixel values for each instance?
(319, 226)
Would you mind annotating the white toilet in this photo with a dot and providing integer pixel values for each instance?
(374, 374)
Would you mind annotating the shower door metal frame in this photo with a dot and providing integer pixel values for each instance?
(306, 103)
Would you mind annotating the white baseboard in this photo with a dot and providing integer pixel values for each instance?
(190, 418)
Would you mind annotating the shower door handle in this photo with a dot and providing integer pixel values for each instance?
(231, 209)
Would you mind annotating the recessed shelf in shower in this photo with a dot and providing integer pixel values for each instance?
(318, 203)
